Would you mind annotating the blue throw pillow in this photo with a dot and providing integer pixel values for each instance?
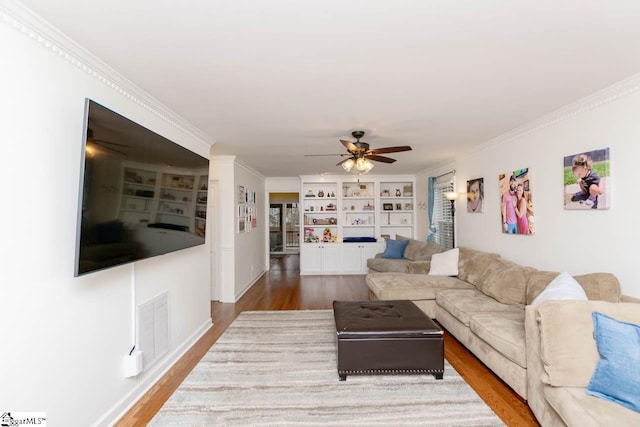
(617, 377)
(395, 249)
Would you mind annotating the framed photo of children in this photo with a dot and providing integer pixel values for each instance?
(587, 180)
(516, 202)
(475, 195)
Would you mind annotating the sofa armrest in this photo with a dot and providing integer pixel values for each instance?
(419, 267)
(627, 298)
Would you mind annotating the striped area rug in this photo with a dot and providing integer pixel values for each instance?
(279, 368)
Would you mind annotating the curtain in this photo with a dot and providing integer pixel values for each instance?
(430, 197)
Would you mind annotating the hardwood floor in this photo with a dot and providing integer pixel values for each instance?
(282, 288)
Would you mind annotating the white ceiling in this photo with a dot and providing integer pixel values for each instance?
(271, 81)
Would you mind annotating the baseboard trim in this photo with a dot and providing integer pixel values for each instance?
(150, 378)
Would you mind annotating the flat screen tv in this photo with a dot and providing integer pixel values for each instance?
(141, 195)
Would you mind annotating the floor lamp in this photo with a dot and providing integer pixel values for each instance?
(452, 196)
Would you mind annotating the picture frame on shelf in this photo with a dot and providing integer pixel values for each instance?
(398, 206)
(408, 207)
(407, 191)
(387, 206)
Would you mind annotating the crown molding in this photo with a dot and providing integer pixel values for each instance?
(32, 26)
(605, 96)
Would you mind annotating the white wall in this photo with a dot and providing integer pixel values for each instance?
(65, 337)
(565, 240)
(250, 248)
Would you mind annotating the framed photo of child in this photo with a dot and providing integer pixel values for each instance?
(587, 180)
(475, 195)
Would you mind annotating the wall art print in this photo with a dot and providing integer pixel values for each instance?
(587, 180)
(475, 195)
(516, 202)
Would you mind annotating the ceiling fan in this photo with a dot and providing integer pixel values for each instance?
(109, 145)
(360, 155)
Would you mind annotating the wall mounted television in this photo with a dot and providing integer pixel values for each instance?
(141, 195)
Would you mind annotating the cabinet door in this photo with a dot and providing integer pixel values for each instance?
(310, 259)
(351, 258)
(330, 258)
(320, 259)
(354, 256)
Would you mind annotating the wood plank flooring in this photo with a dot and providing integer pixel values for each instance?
(282, 288)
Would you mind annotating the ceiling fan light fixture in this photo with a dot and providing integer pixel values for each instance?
(368, 166)
(348, 165)
(364, 165)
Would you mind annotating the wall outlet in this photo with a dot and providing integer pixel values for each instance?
(133, 364)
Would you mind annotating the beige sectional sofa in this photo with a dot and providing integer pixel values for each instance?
(485, 308)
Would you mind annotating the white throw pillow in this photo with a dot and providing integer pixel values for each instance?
(445, 263)
(563, 287)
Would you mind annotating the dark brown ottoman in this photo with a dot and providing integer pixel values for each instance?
(387, 337)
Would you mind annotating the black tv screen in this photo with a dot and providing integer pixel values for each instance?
(141, 195)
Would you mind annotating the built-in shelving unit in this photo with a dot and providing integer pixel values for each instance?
(396, 207)
(344, 220)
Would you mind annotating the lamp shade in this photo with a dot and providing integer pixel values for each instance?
(451, 195)
(348, 165)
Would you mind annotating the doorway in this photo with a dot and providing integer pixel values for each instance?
(284, 223)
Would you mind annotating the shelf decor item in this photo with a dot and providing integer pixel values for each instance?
(387, 206)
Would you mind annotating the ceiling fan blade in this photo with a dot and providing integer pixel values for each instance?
(340, 163)
(389, 150)
(320, 155)
(350, 145)
(379, 158)
(109, 148)
(102, 141)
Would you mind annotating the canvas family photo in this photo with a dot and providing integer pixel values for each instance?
(587, 180)
(475, 195)
(516, 202)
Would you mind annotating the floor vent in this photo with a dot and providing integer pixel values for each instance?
(153, 329)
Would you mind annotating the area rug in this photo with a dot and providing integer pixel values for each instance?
(279, 368)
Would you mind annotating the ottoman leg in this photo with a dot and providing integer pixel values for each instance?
(343, 377)
(438, 375)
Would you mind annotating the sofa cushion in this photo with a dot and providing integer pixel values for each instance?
(504, 331)
(462, 304)
(567, 348)
(505, 281)
(395, 249)
(597, 286)
(421, 251)
(388, 265)
(577, 408)
(472, 263)
(617, 377)
(392, 286)
(563, 287)
(445, 263)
